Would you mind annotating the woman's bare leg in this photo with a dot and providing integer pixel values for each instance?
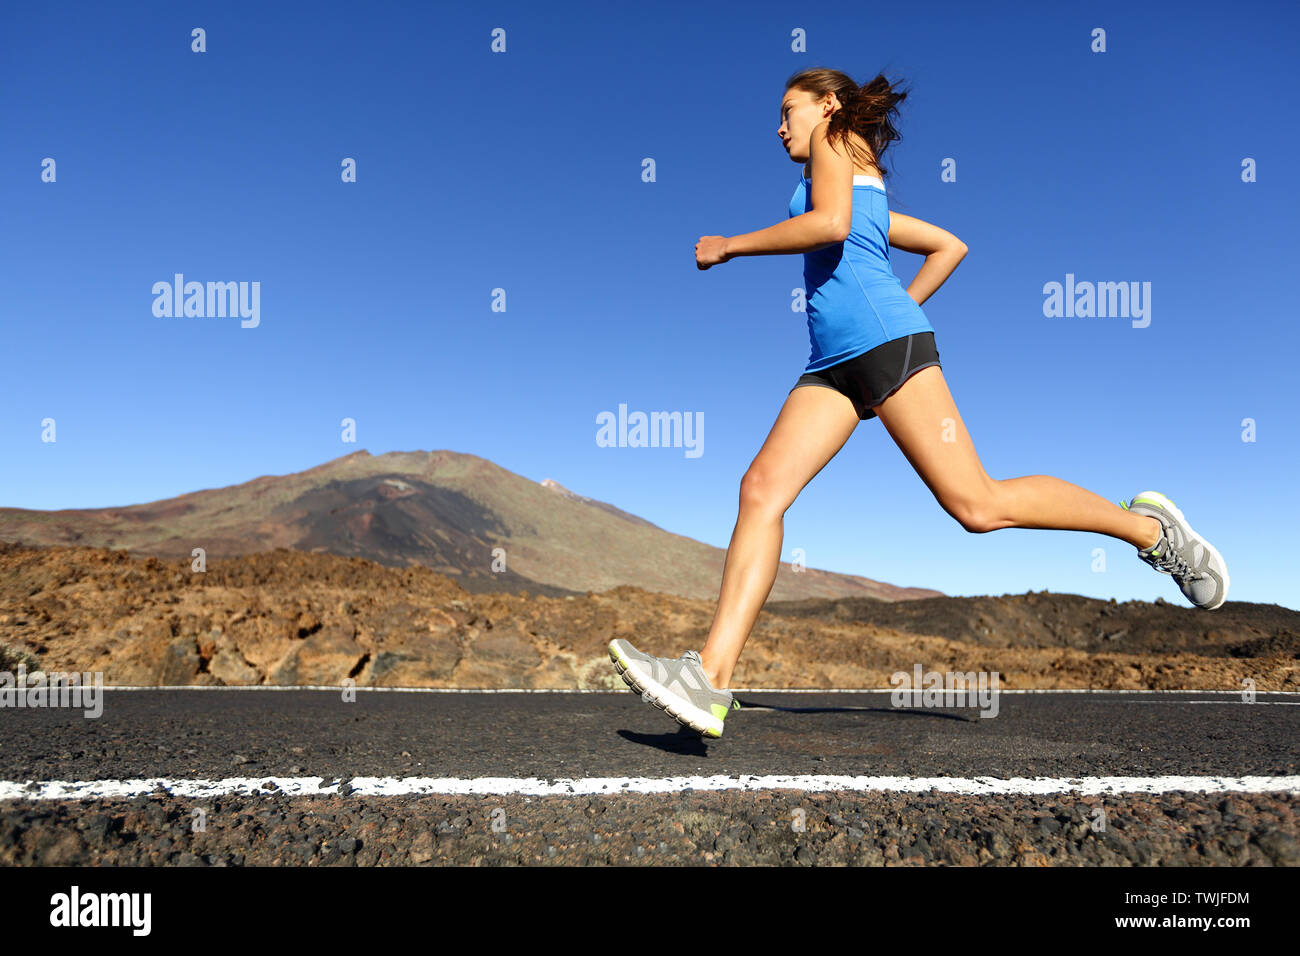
(813, 426)
(925, 424)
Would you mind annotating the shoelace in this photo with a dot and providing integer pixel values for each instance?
(1172, 563)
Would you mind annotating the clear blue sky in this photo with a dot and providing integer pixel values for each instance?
(523, 171)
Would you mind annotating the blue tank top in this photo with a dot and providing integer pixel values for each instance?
(854, 300)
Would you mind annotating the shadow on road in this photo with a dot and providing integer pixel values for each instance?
(684, 741)
(895, 711)
(691, 743)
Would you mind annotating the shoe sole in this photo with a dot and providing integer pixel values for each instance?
(1191, 533)
(674, 705)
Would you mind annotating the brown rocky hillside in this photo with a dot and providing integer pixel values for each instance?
(289, 617)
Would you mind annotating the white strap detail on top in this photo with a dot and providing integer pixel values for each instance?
(861, 179)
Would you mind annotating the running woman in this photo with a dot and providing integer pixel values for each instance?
(873, 356)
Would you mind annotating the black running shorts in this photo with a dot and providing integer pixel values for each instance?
(873, 376)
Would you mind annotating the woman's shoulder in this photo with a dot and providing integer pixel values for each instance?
(807, 173)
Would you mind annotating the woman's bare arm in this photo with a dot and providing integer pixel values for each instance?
(825, 224)
(942, 251)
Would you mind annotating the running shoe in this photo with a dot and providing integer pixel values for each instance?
(677, 687)
(1182, 553)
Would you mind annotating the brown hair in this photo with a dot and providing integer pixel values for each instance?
(865, 110)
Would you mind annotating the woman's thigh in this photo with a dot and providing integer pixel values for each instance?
(923, 420)
(813, 426)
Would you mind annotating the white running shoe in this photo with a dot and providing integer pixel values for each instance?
(677, 687)
(1201, 573)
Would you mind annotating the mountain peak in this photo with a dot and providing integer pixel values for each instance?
(440, 509)
(554, 485)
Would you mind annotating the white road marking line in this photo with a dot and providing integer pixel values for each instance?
(534, 786)
(336, 688)
(1252, 703)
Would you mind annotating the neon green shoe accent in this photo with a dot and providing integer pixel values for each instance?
(1148, 501)
(1124, 505)
(719, 711)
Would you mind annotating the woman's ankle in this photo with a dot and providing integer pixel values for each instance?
(1159, 534)
(714, 674)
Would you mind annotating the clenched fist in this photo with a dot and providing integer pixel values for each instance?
(710, 251)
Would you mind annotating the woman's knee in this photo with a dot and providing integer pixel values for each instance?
(759, 491)
(976, 511)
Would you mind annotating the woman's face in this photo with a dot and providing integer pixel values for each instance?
(800, 113)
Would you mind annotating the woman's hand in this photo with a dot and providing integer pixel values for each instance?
(710, 251)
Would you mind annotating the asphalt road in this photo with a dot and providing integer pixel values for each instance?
(187, 735)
